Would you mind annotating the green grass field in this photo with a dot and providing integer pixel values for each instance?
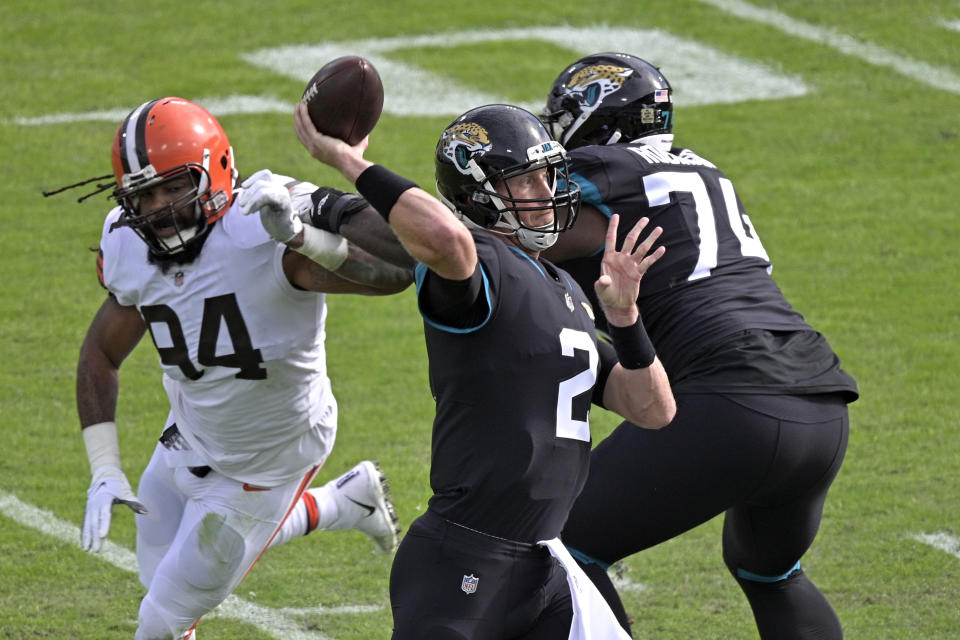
(838, 120)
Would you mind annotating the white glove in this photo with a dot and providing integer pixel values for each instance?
(261, 193)
(108, 487)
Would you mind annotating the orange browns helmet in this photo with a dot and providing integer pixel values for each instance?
(162, 140)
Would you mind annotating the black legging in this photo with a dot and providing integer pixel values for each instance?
(766, 461)
(520, 592)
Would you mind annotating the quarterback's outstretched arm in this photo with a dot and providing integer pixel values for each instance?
(425, 226)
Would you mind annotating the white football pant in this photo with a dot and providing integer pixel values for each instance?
(198, 539)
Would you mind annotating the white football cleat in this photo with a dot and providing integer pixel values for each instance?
(364, 504)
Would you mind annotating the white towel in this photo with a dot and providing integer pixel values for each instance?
(592, 617)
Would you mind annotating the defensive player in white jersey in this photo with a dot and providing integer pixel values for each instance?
(226, 279)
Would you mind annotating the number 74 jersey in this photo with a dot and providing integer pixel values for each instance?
(242, 350)
(714, 279)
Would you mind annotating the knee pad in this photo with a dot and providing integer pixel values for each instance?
(211, 554)
(155, 623)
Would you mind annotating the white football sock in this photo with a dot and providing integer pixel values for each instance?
(316, 509)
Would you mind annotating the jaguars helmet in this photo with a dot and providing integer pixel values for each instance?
(607, 98)
(162, 140)
(487, 146)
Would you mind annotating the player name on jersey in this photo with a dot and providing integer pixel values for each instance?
(656, 156)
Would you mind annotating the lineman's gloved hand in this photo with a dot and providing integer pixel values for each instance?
(273, 202)
(108, 487)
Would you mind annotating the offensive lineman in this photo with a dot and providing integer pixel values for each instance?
(237, 321)
(761, 425)
(514, 363)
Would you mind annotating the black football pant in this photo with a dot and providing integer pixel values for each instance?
(765, 461)
(452, 583)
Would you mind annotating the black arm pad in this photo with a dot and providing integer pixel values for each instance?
(332, 206)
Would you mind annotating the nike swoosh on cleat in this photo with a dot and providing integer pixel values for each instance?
(369, 509)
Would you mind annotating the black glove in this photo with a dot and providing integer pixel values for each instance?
(332, 206)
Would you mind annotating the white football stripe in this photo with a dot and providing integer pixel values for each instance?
(279, 623)
(915, 70)
(700, 74)
(940, 541)
(222, 106)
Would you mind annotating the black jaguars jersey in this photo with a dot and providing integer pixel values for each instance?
(718, 320)
(511, 438)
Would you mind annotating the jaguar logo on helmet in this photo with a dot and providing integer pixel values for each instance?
(590, 85)
(464, 141)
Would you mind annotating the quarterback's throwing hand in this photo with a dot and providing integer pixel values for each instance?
(108, 487)
(272, 200)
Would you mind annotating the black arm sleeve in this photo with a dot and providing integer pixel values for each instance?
(332, 206)
(454, 303)
(608, 358)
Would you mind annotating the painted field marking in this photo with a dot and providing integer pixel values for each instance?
(622, 583)
(941, 541)
(915, 70)
(229, 105)
(279, 623)
(700, 74)
(953, 25)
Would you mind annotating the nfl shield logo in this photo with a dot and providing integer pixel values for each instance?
(569, 301)
(469, 584)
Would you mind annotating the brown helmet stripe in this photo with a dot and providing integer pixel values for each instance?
(133, 142)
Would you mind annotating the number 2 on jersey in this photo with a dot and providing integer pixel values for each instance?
(572, 340)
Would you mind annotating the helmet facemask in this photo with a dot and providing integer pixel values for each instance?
(498, 169)
(563, 202)
(159, 143)
(172, 228)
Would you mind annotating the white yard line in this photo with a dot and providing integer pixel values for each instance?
(279, 623)
(928, 74)
(700, 74)
(940, 541)
(229, 105)
(953, 25)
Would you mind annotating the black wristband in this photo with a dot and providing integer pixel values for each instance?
(633, 346)
(382, 188)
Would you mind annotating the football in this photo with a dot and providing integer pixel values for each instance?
(345, 98)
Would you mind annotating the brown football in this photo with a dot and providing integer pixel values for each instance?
(345, 98)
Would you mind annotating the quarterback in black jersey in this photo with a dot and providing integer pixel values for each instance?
(761, 424)
(514, 364)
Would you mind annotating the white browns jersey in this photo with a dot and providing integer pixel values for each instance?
(242, 350)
